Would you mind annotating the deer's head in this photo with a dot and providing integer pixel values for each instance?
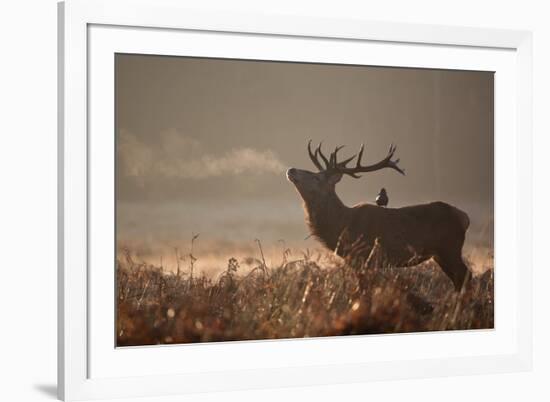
(315, 187)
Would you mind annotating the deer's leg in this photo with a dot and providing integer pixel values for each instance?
(454, 267)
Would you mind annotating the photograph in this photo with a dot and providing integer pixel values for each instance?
(262, 199)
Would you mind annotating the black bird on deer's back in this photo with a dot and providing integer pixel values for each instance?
(382, 198)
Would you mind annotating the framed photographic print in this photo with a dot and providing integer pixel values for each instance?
(256, 201)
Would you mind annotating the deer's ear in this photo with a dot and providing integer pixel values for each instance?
(334, 178)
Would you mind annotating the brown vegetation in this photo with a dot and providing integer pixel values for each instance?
(308, 297)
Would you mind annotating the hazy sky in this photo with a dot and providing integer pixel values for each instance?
(203, 144)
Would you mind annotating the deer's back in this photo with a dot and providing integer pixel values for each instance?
(418, 230)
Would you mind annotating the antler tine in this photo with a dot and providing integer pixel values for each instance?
(342, 164)
(361, 150)
(333, 157)
(338, 148)
(393, 164)
(345, 162)
(313, 157)
(391, 151)
(322, 156)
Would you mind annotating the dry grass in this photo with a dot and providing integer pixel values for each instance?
(307, 297)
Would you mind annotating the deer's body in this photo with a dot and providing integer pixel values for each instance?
(397, 237)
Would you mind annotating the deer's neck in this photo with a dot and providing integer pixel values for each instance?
(327, 219)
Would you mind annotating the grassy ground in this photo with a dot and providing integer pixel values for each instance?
(307, 297)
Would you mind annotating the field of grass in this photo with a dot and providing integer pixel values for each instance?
(315, 295)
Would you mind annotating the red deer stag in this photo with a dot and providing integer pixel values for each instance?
(397, 237)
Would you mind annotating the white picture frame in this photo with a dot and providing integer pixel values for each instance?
(90, 32)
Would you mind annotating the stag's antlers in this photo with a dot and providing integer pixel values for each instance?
(333, 166)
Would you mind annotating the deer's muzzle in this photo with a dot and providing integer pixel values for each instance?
(291, 174)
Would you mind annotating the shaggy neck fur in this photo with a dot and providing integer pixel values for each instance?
(327, 218)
